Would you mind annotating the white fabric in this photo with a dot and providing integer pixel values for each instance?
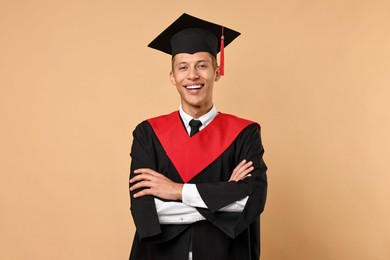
(191, 197)
(173, 212)
(237, 206)
(205, 119)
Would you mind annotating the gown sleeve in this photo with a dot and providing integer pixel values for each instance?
(143, 209)
(220, 194)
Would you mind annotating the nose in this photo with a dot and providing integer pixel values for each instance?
(193, 73)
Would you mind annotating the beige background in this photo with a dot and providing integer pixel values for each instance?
(76, 77)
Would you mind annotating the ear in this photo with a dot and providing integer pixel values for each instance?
(217, 74)
(171, 76)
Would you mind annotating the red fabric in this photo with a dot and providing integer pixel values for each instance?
(222, 55)
(190, 155)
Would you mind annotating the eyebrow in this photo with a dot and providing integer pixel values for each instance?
(196, 62)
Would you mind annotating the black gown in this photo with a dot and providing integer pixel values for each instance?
(223, 235)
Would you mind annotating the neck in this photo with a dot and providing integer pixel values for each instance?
(197, 112)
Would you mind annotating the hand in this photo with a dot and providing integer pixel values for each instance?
(155, 184)
(242, 171)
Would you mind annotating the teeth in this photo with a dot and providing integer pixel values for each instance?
(194, 87)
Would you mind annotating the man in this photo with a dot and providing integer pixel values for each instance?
(198, 181)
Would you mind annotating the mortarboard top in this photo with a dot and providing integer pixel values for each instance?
(189, 34)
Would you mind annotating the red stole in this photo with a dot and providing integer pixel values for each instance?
(191, 155)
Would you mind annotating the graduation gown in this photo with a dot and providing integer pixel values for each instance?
(223, 235)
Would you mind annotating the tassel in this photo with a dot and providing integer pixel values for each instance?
(222, 55)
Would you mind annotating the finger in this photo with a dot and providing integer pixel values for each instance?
(243, 167)
(146, 173)
(247, 176)
(142, 193)
(242, 174)
(247, 165)
(139, 171)
(141, 184)
(239, 166)
(246, 170)
(140, 177)
(145, 170)
(241, 163)
(245, 173)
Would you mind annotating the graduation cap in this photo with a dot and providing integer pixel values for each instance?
(189, 34)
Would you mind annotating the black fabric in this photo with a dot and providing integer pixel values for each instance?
(180, 38)
(232, 236)
(195, 125)
(193, 40)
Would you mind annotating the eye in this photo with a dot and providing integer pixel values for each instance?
(182, 68)
(202, 66)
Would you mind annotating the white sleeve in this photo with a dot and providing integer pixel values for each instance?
(237, 206)
(172, 212)
(191, 197)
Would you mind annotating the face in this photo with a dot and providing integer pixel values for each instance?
(194, 76)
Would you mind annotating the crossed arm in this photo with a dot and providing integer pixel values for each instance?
(185, 212)
(156, 184)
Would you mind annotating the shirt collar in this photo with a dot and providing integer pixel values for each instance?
(205, 119)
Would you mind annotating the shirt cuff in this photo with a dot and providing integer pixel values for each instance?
(237, 206)
(191, 196)
(172, 212)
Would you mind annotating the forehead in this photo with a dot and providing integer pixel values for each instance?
(191, 58)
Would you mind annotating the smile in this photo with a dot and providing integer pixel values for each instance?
(194, 87)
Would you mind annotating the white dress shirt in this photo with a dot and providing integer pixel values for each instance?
(185, 212)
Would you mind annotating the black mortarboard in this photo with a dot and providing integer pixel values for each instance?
(189, 34)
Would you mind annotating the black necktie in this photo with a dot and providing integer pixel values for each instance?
(195, 124)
